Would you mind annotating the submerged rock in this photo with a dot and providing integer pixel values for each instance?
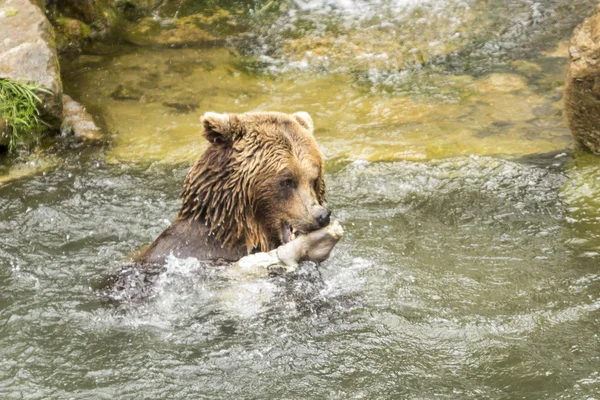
(503, 83)
(582, 90)
(187, 31)
(526, 68)
(77, 121)
(28, 53)
(122, 92)
(31, 164)
(560, 51)
(181, 107)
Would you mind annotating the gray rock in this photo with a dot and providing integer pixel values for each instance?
(582, 89)
(77, 121)
(28, 53)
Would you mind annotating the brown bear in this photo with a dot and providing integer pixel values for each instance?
(257, 186)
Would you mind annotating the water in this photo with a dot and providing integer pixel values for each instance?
(469, 268)
(457, 278)
(442, 116)
(495, 89)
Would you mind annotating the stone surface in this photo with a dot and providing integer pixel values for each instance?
(77, 121)
(582, 89)
(177, 32)
(560, 51)
(34, 163)
(28, 53)
(133, 10)
(502, 83)
(100, 14)
(70, 35)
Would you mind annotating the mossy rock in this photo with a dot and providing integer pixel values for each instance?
(100, 16)
(88, 11)
(28, 54)
(70, 34)
(73, 29)
(192, 30)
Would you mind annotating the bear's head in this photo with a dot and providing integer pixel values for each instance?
(260, 182)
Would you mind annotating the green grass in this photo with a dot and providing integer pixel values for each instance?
(19, 108)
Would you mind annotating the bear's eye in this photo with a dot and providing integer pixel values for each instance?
(288, 183)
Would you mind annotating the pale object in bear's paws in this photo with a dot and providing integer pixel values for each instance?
(315, 246)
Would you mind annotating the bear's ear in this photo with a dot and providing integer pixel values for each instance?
(217, 128)
(304, 119)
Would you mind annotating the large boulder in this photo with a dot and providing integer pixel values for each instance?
(582, 89)
(28, 53)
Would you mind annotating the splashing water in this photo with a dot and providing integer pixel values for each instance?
(460, 276)
(469, 267)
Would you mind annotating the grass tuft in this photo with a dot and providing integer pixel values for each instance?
(19, 108)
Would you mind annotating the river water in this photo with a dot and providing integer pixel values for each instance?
(470, 264)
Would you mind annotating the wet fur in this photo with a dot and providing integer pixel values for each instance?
(232, 200)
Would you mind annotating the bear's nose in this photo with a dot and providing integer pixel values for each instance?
(323, 218)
